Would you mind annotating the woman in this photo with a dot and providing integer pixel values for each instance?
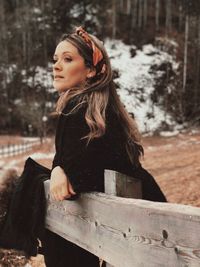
(94, 132)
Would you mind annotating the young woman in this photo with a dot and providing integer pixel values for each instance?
(94, 133)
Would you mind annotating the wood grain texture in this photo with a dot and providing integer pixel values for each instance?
(128, 232)
(118, 184)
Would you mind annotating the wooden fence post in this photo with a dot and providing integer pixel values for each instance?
(121, 185)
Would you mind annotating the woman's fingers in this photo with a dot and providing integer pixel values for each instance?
(70, 188)
(60, 193)
(65, 192)
(62, 190)
(59, 196)
(54, 196)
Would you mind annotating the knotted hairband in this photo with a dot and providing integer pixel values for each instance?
(97, 54)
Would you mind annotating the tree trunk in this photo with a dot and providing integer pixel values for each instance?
(114, 19)
(168, 22)
(145, 13)
(157, 14)
(3, 46)
(4, 96)
(140, 13)
(197, 69)
(180, 20)
(185, 52)
(134, 14)
(128, 7)
(121, 5)
(44, 34)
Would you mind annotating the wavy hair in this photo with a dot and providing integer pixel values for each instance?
(97, 92)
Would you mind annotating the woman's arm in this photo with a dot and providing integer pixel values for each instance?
(83, 166)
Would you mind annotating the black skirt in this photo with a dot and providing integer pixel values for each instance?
(60, 252)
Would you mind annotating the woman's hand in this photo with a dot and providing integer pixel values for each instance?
(60, 187)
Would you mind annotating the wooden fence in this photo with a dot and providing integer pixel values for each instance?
(126, 231)
(16, 149)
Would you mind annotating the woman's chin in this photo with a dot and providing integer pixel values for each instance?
(58, 88)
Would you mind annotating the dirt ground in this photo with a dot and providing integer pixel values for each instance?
(175, 164)
(173, 161)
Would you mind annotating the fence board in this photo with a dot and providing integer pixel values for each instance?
(128, 232)
(15, 149)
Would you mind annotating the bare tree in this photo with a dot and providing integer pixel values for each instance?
(157, 14)
(114, 11)
(134, 14)
(145, 13)
(44, 33)
(180, 12)
(197, 69)
(121, 4)
(140, 14)
(168, 22)
(4, 52)
(128, 7)
(185, 52)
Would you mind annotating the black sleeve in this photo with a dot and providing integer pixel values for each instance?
(83, 165)
(55, 161)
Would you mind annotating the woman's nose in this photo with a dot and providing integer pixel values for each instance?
(57, 65)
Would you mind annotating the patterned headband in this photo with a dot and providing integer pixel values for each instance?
(97, 54)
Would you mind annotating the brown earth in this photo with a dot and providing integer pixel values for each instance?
(173, 161)
(175, 164)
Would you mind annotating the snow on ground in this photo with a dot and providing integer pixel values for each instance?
(168, 133)
(30, 139)
(136, 83)
(39, 155)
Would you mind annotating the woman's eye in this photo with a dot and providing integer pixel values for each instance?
(67, 59)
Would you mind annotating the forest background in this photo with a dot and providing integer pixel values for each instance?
(30, 30)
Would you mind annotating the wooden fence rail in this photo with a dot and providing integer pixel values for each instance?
(15, 149)
(126, 231)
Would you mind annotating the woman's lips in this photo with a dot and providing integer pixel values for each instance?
(58, 77)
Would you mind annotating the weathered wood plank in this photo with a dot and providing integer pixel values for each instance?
(129, 232)
(118, 184)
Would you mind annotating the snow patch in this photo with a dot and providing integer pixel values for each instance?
(136, 82)
(169, 134)
(42, 155)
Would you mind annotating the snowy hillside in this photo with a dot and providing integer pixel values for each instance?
(136, 82)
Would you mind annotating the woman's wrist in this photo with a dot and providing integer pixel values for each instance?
(57, 169)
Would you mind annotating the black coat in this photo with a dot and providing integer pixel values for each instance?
(84, 166)
(25, 217)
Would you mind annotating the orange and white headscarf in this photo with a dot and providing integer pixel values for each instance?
(97, 54)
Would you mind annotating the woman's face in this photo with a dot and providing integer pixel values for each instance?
(69, 68)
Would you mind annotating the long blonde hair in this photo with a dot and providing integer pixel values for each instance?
(97, 92)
